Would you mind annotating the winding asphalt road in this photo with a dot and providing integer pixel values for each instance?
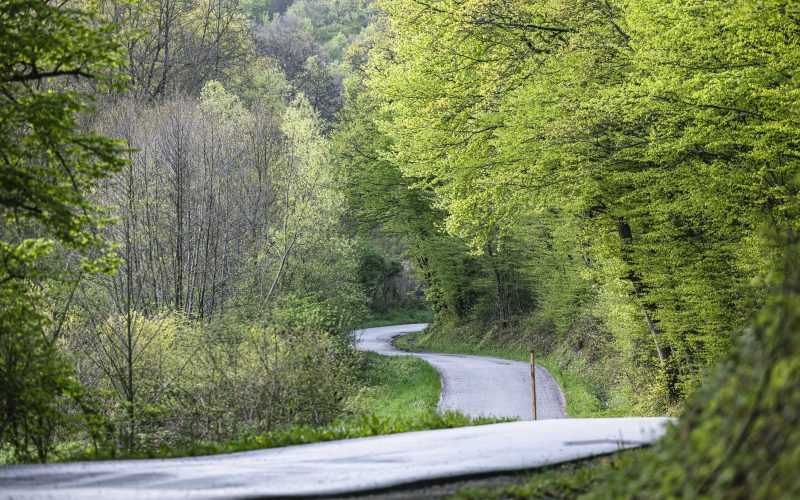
(338, 467)
(362, 465)
(477, 385)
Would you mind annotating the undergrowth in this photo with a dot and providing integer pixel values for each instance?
(738, 438)
(557, 481)
(398, 394)
(348, 428)
(398, 317)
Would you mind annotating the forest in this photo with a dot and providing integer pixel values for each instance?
(605, 177)
(175, 260)
(200, 200)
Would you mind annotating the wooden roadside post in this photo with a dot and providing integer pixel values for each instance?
(533, 384)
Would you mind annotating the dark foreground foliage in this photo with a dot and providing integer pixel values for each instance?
(740, 435)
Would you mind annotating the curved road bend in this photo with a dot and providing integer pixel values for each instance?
(477, 385)
(337, 467)
(348, 466)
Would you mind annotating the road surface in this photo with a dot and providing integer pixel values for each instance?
(362, 465)
(337, 467)
(478, 385)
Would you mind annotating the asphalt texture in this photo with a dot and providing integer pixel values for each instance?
(478, 385)
(350, 466)
(364, 465)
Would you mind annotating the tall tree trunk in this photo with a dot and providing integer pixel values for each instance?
(129, 319)
(626, 235)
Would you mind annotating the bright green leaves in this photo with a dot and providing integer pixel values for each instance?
(739, 436)
(676, 120)
(45, 40)
(49, 169)
(49, 166)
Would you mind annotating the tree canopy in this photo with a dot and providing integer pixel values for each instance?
(652, 140)
(51, 166)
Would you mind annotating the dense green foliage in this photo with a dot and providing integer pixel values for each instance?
(738, 438)
(49, 168)
(201, 199)
(593, 172)
(174, 263)
(395, 394)
(740, 435)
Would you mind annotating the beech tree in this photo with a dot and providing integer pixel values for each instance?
(648, 141)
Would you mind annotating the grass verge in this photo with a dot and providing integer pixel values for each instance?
(403, 317)
(581, 401)
(399, 387)
(348, 428)
(398, 394)
(568, 480)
